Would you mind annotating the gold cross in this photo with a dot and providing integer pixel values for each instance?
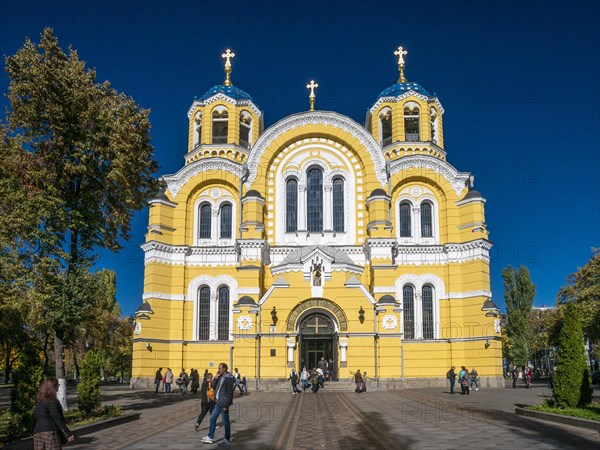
(400, 54)
(227, 55)
(316, 326)
(312, 85)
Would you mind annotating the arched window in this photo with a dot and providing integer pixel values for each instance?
(405, 218)
(291, 205)
(245, 128)
(205, 218)
(427, 311)
(426, 220)
(408, 308)
(314, 200)
(385, 126)
(198, 129)
(434, 126)
(338, 204)
(226, 221)
(223, 334)
(411, 123)
(204, 313)
(220, 121)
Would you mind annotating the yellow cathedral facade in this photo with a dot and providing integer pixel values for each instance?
(318, 237)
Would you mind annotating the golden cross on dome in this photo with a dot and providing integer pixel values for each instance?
(227, 56)
(400, 54)
(312, 86)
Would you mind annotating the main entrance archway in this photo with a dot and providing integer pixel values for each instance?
(318, 339)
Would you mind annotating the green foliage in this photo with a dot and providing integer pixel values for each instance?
(571, 386)
(88, 389)
(583, 290)
(590, 412)
(28, 378)
(519, 292)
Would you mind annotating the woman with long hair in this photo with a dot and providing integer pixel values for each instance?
(50, 427)
(207, 399)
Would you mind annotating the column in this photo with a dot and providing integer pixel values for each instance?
(214, 316)
(416, 223)
(291, 345)
(343, 354)
(214, 224)
(302, 207)
(328, 209)
(418, 315)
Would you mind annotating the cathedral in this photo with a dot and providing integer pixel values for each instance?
(318, 237)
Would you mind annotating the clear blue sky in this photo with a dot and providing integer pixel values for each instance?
(519, 82)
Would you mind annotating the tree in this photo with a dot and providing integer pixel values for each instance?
(543, 333)
(572, 379)
(519, 292)
(94, 144)
(583, 290)
(88, 389)
(28, 379)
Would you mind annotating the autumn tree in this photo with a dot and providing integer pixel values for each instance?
(583, 290)
(94, 143)
(519, 292)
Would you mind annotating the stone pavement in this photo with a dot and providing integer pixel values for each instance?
(408, 419)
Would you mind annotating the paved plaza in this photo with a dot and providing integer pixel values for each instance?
(409, 419)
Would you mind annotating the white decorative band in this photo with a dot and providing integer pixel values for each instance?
(163, 296)
(470, 294)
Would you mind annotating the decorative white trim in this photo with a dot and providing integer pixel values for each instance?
(163, 296)
(470, 294)
(248, 291)
(225, 98)
(416, 195)
(417, 282)
(214, 283)
(183, 255)
(215, 197)
(177, 181)
(389, 322)
(470, 200)
(421, 255)
(409, 93)
(458, 180)
(326, 118)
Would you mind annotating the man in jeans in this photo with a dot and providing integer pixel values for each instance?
(222, 383)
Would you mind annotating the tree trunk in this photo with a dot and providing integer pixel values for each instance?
(46, 355)
(76, 365)
(60, 371)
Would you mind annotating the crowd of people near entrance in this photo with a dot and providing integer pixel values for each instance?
(466, 379)
(314, 379)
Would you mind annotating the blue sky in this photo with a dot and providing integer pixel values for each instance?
(519, 82)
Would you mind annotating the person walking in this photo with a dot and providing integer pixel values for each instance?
(314, 380)
(294, 380)
(244, 384)
(304, 376)
(358, 381)
(207, 399)
(320, 377)
(158, 379)
(514, 373)
(169, 378)
(50, 428)
(183, 380)
(465, 380)
(238, 381)
(451, 375)
(194, 380)
(474, 378)
(364, 382)
(222, 383)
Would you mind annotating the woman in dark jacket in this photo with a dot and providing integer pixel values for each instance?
(206, 403)
(50, 423)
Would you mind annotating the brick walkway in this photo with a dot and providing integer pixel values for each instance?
(409, 419)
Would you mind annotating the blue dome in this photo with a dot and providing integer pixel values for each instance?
(229, 91)
(400, 88)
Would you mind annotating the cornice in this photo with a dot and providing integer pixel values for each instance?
(225, 98)
(214, 164)
(404, 96)
(326, 118)
(458, 180)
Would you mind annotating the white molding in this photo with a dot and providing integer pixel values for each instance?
(214, 283)
(326, 118)
(415, 216)
(470, 200)
(163, 296)
(223, 97)
(405, 95)
(223, 196)
(458, 180)
(384, 289)
(248, 291)
(421, 255)
(214, 164)
(469, 294)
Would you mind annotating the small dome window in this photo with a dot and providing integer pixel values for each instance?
(411, 122)
(197, 129)
(245, 128)
(220, 122)
(385, 126)
(434, 126)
